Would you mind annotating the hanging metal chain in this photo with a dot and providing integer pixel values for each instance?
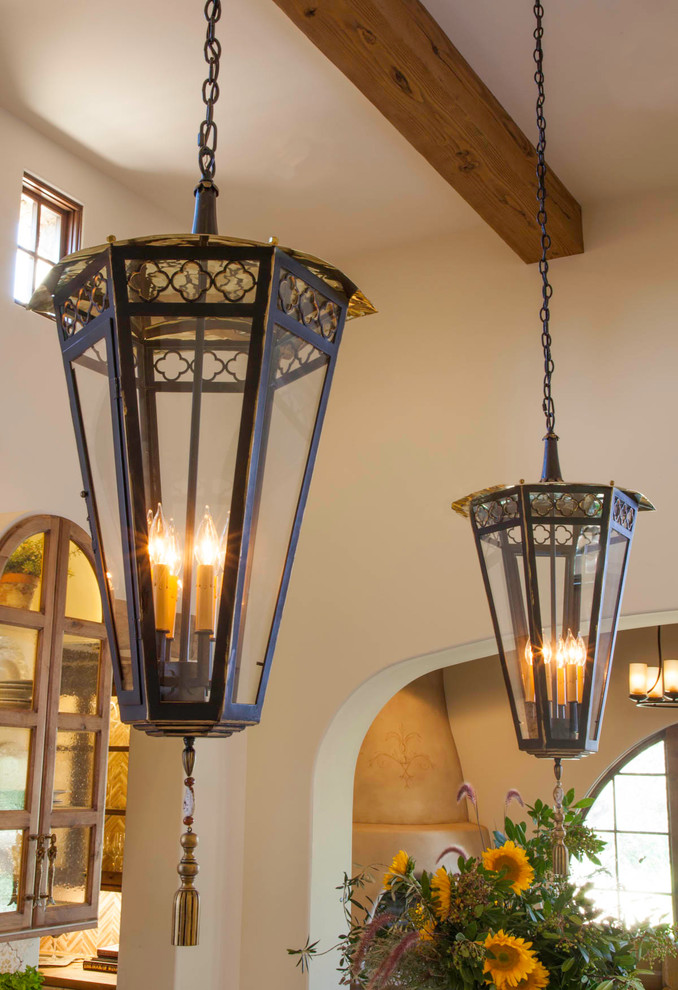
(544, 314)
(207, 138)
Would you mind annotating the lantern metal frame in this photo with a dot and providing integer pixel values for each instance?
(89, 294)
(498, 510)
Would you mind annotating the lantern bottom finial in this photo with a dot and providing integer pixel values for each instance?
(186, 910)
(561, 866)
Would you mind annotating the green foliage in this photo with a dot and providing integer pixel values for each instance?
(27, 979)
(410, 940)
(26, 559)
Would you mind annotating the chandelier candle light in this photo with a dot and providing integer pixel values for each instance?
(553, 557)
(198, 369)
(654, 686)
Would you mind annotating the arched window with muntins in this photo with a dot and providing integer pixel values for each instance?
(632, 812)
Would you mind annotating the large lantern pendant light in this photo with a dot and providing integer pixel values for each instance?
(198, 370)
(553, 557)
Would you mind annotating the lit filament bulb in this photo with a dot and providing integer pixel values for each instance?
(528, 669)
(165, 556)
(574, 656)
(208, 555)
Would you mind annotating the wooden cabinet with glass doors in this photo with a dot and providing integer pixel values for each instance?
(54, 721)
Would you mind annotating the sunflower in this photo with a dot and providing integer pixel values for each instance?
(536, 980)
(398, 868)
(514, 861)
(442, 892)
(511, 959)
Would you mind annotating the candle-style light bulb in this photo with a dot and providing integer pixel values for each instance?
(157, 535)
(165, 556)
(207, 553)
(206, 548)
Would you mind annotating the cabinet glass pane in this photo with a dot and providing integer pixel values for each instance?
(21, 581)
(116, 783)
(119, 732)
(74, 769)
(18, 651)
(11, 849)
(83, 600)
(72, 865)
(114, 844)
(79, 692)
(15, 748)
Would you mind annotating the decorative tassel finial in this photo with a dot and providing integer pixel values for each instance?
(561, 866)
(186, 910)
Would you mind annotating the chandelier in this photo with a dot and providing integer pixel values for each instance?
(654, 686)
(198, 369)
(553, 556)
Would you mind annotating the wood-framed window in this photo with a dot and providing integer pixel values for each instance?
(55, 684)
(49, 228)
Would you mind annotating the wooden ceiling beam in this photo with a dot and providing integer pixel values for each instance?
(403, 62)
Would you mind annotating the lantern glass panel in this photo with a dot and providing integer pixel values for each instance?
(617, 551)
(294, 389)
(503, 558)
(190, 388)
(91, 373)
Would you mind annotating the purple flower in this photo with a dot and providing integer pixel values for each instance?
(452, 849)
(467, 791)
(514, 795)
(377, 923)
(389, 964)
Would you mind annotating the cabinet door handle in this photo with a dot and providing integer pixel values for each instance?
(39, 864)
(51, 869)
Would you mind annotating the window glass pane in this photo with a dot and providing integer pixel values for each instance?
(21, 581)
(23, 276)
(80, 659)
(11, 849)
(655, 908)
(15, 745)
(601, 813)
(18, 650)
(643, 862)
(604, 876)
(607, 902)
(74, 769)
(49, 235)
(28, 219)
(42, 270)
(640, 804)
(651, 760)
(83, 600)
(72, 865)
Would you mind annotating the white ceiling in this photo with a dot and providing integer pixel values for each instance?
(301, 153)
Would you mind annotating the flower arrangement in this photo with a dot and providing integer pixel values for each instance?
(504, 921)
